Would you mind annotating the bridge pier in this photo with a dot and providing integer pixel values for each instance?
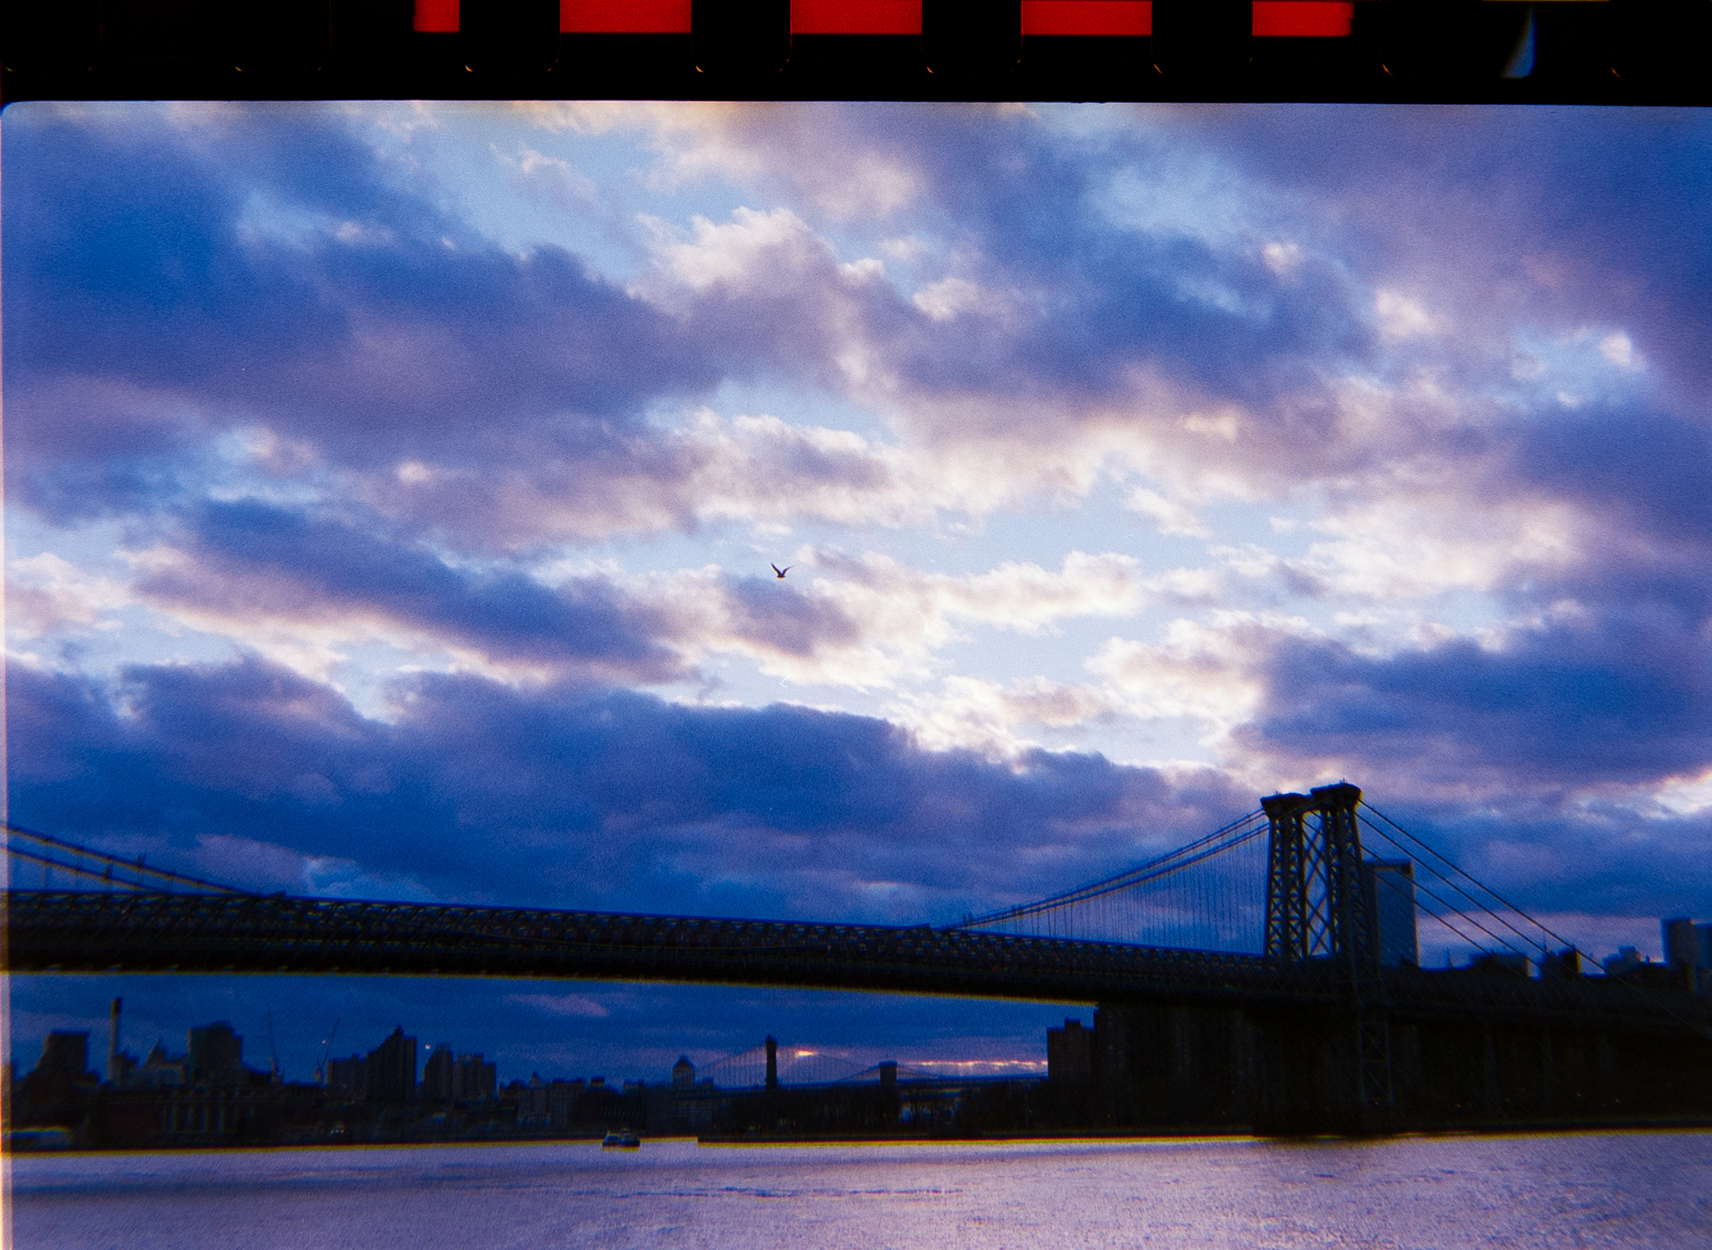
(1176, 1066)
(1311, 1075)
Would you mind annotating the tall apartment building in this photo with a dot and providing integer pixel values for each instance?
(1390, 885)
(1070, 1054)
(437, 1074)
(392, 1069)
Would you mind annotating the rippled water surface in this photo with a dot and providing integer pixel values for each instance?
(1616, 1189)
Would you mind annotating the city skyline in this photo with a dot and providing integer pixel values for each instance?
(393, 495)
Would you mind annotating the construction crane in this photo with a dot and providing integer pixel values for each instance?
(273, 1051)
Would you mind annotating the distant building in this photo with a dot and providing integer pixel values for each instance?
(1688, 947)
(216, 1054)
(531, 1102)
(55, 1090)
(474, 1079)
(65, 1054)
(1391, 885)
(392, 1069)
(1625, 961)
(437, 1074)
(683, 1073)
(349, 1077)
(1681, 947)
(562, 1099)
(161, 1070)
(1069, 1054)
(1513, 962)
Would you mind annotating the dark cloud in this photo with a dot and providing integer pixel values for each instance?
(792, 622)
(251, 560)
(1648, 473)
(612, 800)
(154, 297)
(1071, 304)
(1520, 760)
(1583, 703)
(609, 800)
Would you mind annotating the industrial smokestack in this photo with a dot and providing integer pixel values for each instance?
(772, 1063)
(113, 1073)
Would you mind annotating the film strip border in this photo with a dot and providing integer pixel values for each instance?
(1592, 51)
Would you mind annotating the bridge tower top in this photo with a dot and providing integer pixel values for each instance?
(1316, 892)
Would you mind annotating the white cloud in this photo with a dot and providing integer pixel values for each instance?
(1687, 796)
(539, 176)
(870, 621)
(1398, 547)
(977, 714)
(1281, 258)
(1403, 316)
(840, 168)
(579, 1006)
(1202, 670)
(947, 298)
(1170, 516)
(1619, 350)
(753, 247)
(46, 594)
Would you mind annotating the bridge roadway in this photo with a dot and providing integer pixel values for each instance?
(147, 932)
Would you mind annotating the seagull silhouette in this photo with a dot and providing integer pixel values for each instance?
(783, 571)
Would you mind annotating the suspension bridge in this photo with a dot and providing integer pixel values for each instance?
(1279, 954)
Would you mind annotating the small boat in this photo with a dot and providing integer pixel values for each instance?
(622, 1140)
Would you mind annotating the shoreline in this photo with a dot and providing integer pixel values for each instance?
(1205, 1133)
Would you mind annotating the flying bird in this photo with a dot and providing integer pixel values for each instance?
(783, 571)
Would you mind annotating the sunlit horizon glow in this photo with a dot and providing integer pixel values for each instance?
(393, 490)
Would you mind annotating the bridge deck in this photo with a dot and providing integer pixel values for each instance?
(83, 931)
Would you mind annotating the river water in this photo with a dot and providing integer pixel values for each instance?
(1605, 1189)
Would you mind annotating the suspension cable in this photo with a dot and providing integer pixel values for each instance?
(1555, 936)
(1203, 848)
(112, 863)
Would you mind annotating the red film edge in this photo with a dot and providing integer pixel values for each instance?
(1272, 18)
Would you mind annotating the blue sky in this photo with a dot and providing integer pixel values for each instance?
(391, 492)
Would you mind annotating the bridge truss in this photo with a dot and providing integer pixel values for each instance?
(145, 920)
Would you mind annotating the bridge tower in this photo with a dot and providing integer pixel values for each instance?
(1316, 897)
(1317, 908)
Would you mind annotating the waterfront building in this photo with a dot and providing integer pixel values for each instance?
(531, 1097)
(161, 1070)
(1070, 1054)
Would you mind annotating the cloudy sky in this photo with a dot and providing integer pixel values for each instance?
(391, 494)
